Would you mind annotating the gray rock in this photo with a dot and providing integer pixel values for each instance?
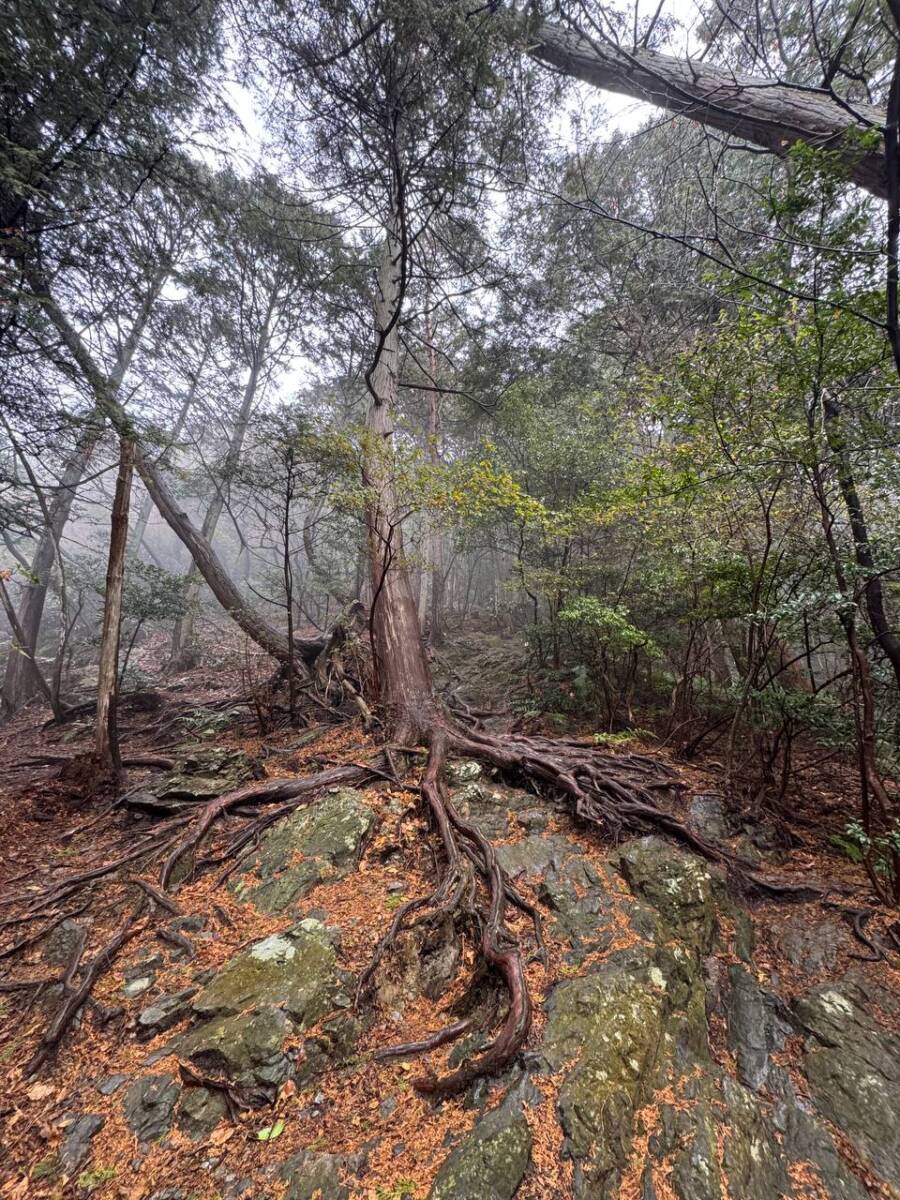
(137, 987)
(295, 970)
(853, 1068)
(463, 770)
(165, 1011)
(491, 1160)
(77, 1142)
(751, 1157)
(676, 884)
(687, 1141)
(755, 1028)
(149, 1105)
(807, 1141)
(605, 1031)
(492, 807)
(200, 1110)
(203, 775)
(582, 901)
(326, 836)
(536, 855)
(708, 817)
(334, 1043)
(314, 1177)
(110, 1084)
(247, 1048)
(811, 948)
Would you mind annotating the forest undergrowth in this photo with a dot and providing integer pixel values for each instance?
(51, 822)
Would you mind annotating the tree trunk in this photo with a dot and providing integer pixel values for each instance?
(106, 737)
(140, 529)
(762, 111)
(182, 653)
(267, 636)
(435, 531)
(21, 683)
(402, 677)
(873, 590)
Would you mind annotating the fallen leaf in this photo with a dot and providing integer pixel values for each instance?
(40, 1091)
(220, 1136)
(271, 1132)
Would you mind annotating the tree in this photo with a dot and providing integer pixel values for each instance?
(93, 106)
(766, 112)
(106, 733)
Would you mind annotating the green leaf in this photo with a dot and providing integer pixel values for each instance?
(271, 1132)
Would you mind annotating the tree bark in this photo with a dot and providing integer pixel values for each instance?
(21, 681)
(762, 111)
(106, 736)
(873, 590)
(435, 532)
(402, 676)
(140, 529)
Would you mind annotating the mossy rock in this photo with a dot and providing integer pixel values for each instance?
(200, 1111)
(316, 843)
(206, 774)
(490, 1161)
(295, 971)
(607, 1028)
(678, 885)
(246, 1048)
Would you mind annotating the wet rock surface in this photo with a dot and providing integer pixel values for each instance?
(490, 1162)
(317, 843)
(676, 1065)
(853, 1067)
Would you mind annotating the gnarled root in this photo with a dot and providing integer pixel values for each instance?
(616, 793)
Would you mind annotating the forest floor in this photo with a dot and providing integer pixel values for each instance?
(355, 1125)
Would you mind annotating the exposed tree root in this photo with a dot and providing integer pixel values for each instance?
(449, 1034)
(615, 793)
(295, 791)
(75, 997)
(173, 839)
(618, 794)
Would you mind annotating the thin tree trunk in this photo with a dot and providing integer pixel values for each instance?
(267, 636)
(182, 653)
(20, 682)
(435, 531)
(19, 637)
(872, 587)
(106, 736)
